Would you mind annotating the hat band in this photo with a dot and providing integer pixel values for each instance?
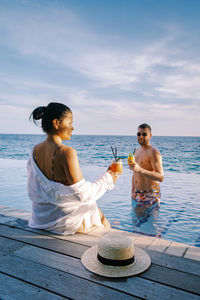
(115, 262)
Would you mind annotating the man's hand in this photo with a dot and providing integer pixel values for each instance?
(155, 174)
(133, 195)
(135, 167)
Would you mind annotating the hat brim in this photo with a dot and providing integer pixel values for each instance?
(141, 263)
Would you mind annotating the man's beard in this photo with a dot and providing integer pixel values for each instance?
(142, 143)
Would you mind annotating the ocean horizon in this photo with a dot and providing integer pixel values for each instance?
(101, 135)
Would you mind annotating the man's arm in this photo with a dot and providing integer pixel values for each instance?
(156, 163)
(133, 189)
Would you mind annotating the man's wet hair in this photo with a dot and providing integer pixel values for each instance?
(144, 125)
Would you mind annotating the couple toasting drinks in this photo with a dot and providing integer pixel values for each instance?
(62, 200)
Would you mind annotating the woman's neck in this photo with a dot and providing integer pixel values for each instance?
(54, 139)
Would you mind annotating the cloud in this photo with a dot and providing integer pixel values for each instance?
(30, 93)
(61, 38)
(67, 61)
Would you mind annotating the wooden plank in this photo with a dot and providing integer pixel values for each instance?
(174, 262)
(133, 236)
(12, 288)
(61, 246)
(9, 246)
(177, 249)
(165, 276)
(98, 231)
(13, 220)
(87, 239)
(78, 238)
(144, 241)
(91, 239)
(159, 245)
(193, 253)
(189, 265)
(21, 215)
(5, 219)
(43, 241)
(174, 278)
(59, 282)
(16, 213)
(141, 241)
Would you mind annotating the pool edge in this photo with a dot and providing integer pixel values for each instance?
(9, 215)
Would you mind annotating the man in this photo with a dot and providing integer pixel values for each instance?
(148, 170)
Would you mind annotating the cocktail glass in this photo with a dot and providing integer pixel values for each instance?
(117, 166)
(131, 159)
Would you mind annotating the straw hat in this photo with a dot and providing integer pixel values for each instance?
(115, 256)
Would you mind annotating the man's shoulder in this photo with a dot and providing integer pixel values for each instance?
(155, 151)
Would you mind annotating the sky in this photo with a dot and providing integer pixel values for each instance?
(115, 63)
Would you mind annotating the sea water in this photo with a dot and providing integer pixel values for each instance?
(176, 219)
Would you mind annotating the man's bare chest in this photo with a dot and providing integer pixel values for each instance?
(144, 160)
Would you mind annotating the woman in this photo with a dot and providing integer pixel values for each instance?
(62, 201)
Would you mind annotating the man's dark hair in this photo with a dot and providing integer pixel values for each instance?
(144, 125)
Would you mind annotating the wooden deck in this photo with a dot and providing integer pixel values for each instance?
(35, 264)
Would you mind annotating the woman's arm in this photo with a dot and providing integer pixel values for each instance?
(73, 170)
(85, 191)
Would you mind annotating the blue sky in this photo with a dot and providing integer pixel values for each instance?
(116, 64)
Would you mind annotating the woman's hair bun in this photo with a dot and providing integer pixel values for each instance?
(39, 112)
(47, 113)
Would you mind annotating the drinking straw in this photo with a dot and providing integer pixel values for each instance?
(134, 151)
(113, 152)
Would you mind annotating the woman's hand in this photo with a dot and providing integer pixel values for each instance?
(113, 174)
(135, 167)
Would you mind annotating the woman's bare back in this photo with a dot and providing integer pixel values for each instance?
(51, 160)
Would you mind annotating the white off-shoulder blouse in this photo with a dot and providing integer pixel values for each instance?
(62, 209)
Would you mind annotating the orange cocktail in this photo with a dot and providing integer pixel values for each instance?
(117, 166)
(131, 159)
